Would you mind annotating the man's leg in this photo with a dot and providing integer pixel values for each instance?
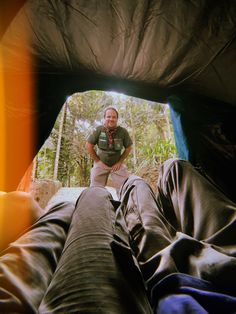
(98, 176)
(27, 265)
(96, 272)
(193, 204)
(190, 228)
(119, 177)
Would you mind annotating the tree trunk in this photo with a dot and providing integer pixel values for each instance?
(57, 157)
(133, 135)
(168, 130)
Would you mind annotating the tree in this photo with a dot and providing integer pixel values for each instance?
(59, 138)
(65, 157)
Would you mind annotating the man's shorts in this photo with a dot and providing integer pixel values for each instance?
(99, 176)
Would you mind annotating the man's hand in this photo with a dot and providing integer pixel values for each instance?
(119, 163)
(116, 166)
(101, 164)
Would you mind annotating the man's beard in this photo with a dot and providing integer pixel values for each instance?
(110, 128)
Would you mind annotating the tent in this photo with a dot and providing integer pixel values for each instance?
(180, 52)
(177, 52)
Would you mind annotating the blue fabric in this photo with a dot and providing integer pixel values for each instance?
(180, 139)
(184, 125)
(180, 293)
(179, 304)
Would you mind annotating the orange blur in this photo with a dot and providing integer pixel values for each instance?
(18, 112)
(17, 130)
(18, 211)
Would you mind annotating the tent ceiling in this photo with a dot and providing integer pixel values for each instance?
(169, 46)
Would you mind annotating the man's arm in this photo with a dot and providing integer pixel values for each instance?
(91, 151)
(93, 154)
(124, 155)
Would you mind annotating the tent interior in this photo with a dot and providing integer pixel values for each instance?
(178, 52)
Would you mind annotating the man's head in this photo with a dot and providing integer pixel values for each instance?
(110, 117)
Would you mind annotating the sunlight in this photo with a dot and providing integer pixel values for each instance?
(117, 96)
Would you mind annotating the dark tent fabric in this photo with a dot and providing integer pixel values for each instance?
(205, 136)
(181, 52)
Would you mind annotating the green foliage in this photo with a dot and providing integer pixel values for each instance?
(159, 151)
(44, 162)
(148, 123)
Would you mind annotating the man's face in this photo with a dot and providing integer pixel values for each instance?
(110, 119)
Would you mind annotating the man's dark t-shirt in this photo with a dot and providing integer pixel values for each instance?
(110, 154)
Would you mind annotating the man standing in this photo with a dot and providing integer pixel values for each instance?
(110, 155)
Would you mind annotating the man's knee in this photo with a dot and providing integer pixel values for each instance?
(175, 165)
(98, 177)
